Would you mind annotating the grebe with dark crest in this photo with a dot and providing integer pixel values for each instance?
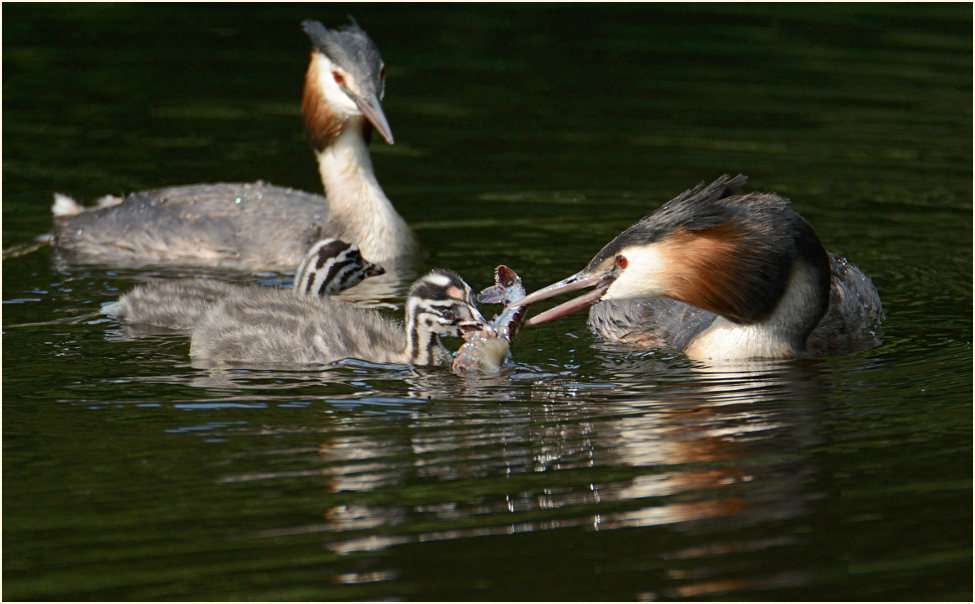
(722, 275)
(259, 226)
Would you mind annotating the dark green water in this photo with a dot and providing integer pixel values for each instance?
(527, 136)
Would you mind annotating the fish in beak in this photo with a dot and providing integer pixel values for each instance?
(601, 280)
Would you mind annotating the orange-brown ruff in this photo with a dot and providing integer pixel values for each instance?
(721, 275)
(322, 125)
(257, 226)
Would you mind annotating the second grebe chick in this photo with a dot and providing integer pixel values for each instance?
(258, 226)
(271, 329)
(724, 276)
(330, 266)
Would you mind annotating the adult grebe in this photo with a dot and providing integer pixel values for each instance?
(270, 328)
(724, 276)
(330, 266)
(255, 226)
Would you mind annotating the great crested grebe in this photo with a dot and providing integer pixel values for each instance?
(724, 276)
(270, 328)
(254, 226)
(330, 266)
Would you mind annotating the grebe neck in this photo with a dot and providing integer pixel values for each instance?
(355, 199)
(423, 347)
(780, 335)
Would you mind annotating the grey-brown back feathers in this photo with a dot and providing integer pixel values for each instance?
(270, 329)
(329, 266)
(176, 305)
(253, 324)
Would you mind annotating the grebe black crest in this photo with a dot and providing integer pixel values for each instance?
(724, 275)
(255, 226)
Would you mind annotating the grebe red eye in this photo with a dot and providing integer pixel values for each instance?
(338, 78)
(621, 261)
(382, 73)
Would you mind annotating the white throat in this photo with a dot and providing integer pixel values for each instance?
(781, 336)
(357, 202)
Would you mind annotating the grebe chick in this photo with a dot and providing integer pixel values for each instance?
(259, 226)
(273, 329)
(724, 276)
(330, 266)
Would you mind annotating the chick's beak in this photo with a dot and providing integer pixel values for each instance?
(474, 321)
(370, 107)
(601, 281)
(374, 269)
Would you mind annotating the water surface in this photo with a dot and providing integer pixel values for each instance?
(526, 135)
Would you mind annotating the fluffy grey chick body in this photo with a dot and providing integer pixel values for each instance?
(328, 267)
(268, 328)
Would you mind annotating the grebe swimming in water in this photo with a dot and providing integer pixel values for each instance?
(722, 275)
(270, 328)
(255, 226)
(330, 266)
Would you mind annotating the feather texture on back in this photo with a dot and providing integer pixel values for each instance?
(268, 327)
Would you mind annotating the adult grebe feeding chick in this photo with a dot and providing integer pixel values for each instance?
(722, 275)
(256, 226)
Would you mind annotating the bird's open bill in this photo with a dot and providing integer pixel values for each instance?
(471, 326)
(580, 280)
(475, 321)
(370, 107)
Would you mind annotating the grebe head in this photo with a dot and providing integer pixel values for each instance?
(737, 256)
(330, 266)
(441, 302)
(346, 78)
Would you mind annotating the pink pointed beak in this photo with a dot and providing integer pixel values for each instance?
(370, 107)
(580, 280)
